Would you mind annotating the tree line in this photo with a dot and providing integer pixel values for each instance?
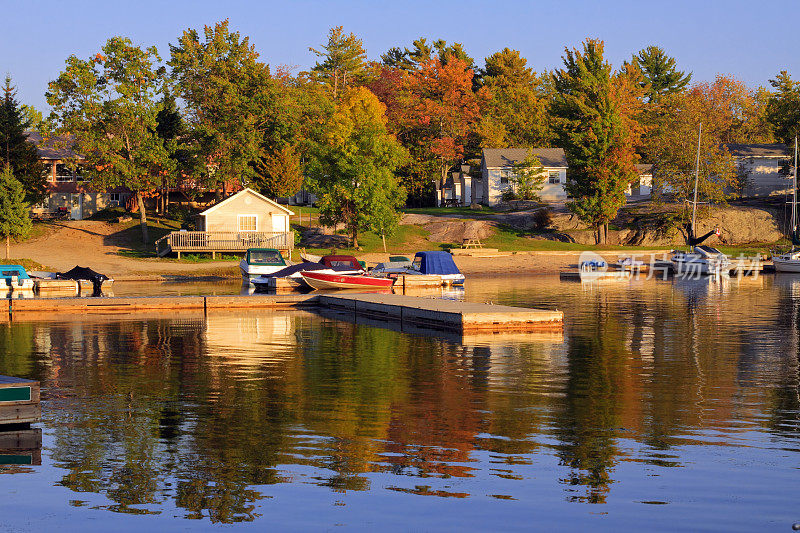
(370, 136)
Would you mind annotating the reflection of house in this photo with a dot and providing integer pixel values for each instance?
(68, 192)
(642, 188)
(497, 171)
(759, 168)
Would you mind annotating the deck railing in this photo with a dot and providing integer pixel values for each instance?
(223, 241)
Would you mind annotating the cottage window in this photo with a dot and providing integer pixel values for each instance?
(554, 176)
(504, 175)
(63, 173)
(248, 222)
(113, 197)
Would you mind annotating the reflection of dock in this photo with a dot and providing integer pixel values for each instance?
(21, 446)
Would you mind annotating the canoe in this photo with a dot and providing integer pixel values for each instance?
(321, 280)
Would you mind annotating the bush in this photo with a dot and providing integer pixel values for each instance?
(508, 195)
(184, 215)
(542, 218)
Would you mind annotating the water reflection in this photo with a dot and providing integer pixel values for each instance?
(213, 414)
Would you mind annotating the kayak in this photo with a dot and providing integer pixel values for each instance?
(323, 280)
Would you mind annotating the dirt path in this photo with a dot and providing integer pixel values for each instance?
(96, 245)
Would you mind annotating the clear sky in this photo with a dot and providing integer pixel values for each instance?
(752, 40)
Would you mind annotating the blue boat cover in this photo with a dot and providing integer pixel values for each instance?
(436, 263)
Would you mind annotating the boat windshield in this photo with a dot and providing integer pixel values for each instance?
(710, 250)
(266, 257)
(10, 272)
(417, 264)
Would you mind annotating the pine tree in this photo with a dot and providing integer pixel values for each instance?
(660, 76)
(783, 109)
(344, 62)
(17, 151)
(14, 218)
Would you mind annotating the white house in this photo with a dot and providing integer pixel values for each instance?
(497, 169)
(245, 211)
(759, 167)
(642, 188)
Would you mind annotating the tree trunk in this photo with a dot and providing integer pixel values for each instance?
(8, 246)
(143, 216)
(355, 237)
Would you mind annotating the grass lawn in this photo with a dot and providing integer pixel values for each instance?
(28, 264)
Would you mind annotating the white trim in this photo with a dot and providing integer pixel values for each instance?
(239, 222)
(251, 191)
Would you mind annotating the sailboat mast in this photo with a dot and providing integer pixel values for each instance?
(794, 193)
(696, 175)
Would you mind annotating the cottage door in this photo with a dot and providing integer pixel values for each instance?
(76, 206)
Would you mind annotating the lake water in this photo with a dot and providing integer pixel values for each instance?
(664, 405)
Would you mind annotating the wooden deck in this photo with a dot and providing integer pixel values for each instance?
(19, 401)
(223, 241)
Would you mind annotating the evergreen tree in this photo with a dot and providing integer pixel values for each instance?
(14, 218)
(659, 72)
(344, 61)
(783, 108)
(17, 152)
(595, 112)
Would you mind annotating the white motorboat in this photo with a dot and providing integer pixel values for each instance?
(260, 261)
(702, 260)
(790, 261)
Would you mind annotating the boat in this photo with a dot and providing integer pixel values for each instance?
(431, 263)
(16, 278)
(260, 261)
(291, 276)
(790, 261)
(88, 281)
(700, 260)
(324, 280)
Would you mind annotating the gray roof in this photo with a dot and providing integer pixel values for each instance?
(56, 147)
(644, 168)
(506, 157)
(758, 150)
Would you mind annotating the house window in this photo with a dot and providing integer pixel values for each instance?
(79, 176)
(63, 173)
(113, 197)
(248, 222)
(504, 175)
(47, 172)
(554, 176)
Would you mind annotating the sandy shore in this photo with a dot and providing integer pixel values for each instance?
(94, 244)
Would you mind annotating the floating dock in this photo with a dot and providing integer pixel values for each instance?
(19, 401)
(434, 313)
(444, 314)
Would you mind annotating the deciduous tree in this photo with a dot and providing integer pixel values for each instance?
(528, 177)
(352, 167)
(109, 103)
(596, 123)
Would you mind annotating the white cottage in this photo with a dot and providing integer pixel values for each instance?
(497, 167)
(762, 168)
(245, 211)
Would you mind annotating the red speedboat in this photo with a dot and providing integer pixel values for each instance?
(321, 280)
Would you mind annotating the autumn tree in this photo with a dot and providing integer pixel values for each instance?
(17, 152)
(109, 104)
(343, 61)
(596, 123)
(514, 103)
(279, 172)
(14, 218)
(660, 76)
(783, 107)
(352, 167)
(225, 89)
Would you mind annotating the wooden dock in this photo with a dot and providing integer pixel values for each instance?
(444, 314)
(19, 401)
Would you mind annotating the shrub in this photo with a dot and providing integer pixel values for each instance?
(542, 218)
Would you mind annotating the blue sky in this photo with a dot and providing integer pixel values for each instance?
(749, 39)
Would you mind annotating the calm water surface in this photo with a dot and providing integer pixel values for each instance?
(662, 406)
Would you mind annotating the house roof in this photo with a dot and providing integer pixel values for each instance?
(758, 150)
(251, 192)
(644, 168)
(506, 157)
(56, 147)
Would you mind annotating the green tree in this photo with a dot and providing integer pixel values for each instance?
(17, 151)
(343, 61)
(109, 104)
(279, 172)
(226, 91)
(352, 167)
(783, 107)
(596, 122)
(514, 103)
(528, 177)
(14, 218)
(660, 75)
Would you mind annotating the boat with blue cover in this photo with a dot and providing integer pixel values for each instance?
(431, 263)
(16, 278)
